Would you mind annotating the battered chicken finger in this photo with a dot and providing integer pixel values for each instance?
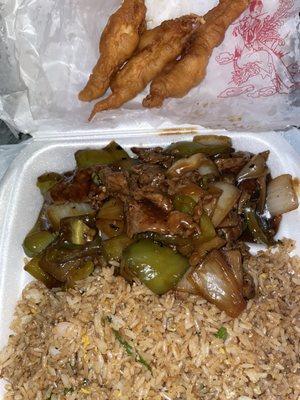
(148, 63)
(148, 37)
(118, 42)
(190, 70)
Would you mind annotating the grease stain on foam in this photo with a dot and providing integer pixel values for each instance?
(235, 118)
(177, 131)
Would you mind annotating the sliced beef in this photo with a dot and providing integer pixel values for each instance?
(74, 187)
(232, 165)
(193, 177)
(97, 195)
(144, 216)
(153, 155)
(158, 199)
(149, 177)
(232, 234)
(115, 181)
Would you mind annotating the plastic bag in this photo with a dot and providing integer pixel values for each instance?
(251, 81)
(7, 154)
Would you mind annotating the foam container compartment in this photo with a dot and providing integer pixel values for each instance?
(21, 201)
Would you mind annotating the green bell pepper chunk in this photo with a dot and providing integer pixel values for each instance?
(156, 266)
(77, 274)
(255, 229)
(59, 259)
(35, 242)
(207, 228)
(76, 229)
(117, 151)
(34, 269)
(114, 247)
(187, 149)
(213, 140)
(46, 181)
(184, 203)
(89, 157)
(108, 155)
(112, 209)
(127, 164)
(169, 240)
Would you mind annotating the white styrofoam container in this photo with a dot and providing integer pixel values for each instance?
(20, 200)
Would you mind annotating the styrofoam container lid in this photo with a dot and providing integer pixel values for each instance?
(21, 201)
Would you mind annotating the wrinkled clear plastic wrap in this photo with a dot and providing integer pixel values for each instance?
(49, 48)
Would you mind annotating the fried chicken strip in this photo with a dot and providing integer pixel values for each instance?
(147, 64)
(148, 37)
(190, 70)
(118, 42)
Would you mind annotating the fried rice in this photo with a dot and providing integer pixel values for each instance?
(107, 339)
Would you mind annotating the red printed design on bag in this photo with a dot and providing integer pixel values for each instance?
(259, 58)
